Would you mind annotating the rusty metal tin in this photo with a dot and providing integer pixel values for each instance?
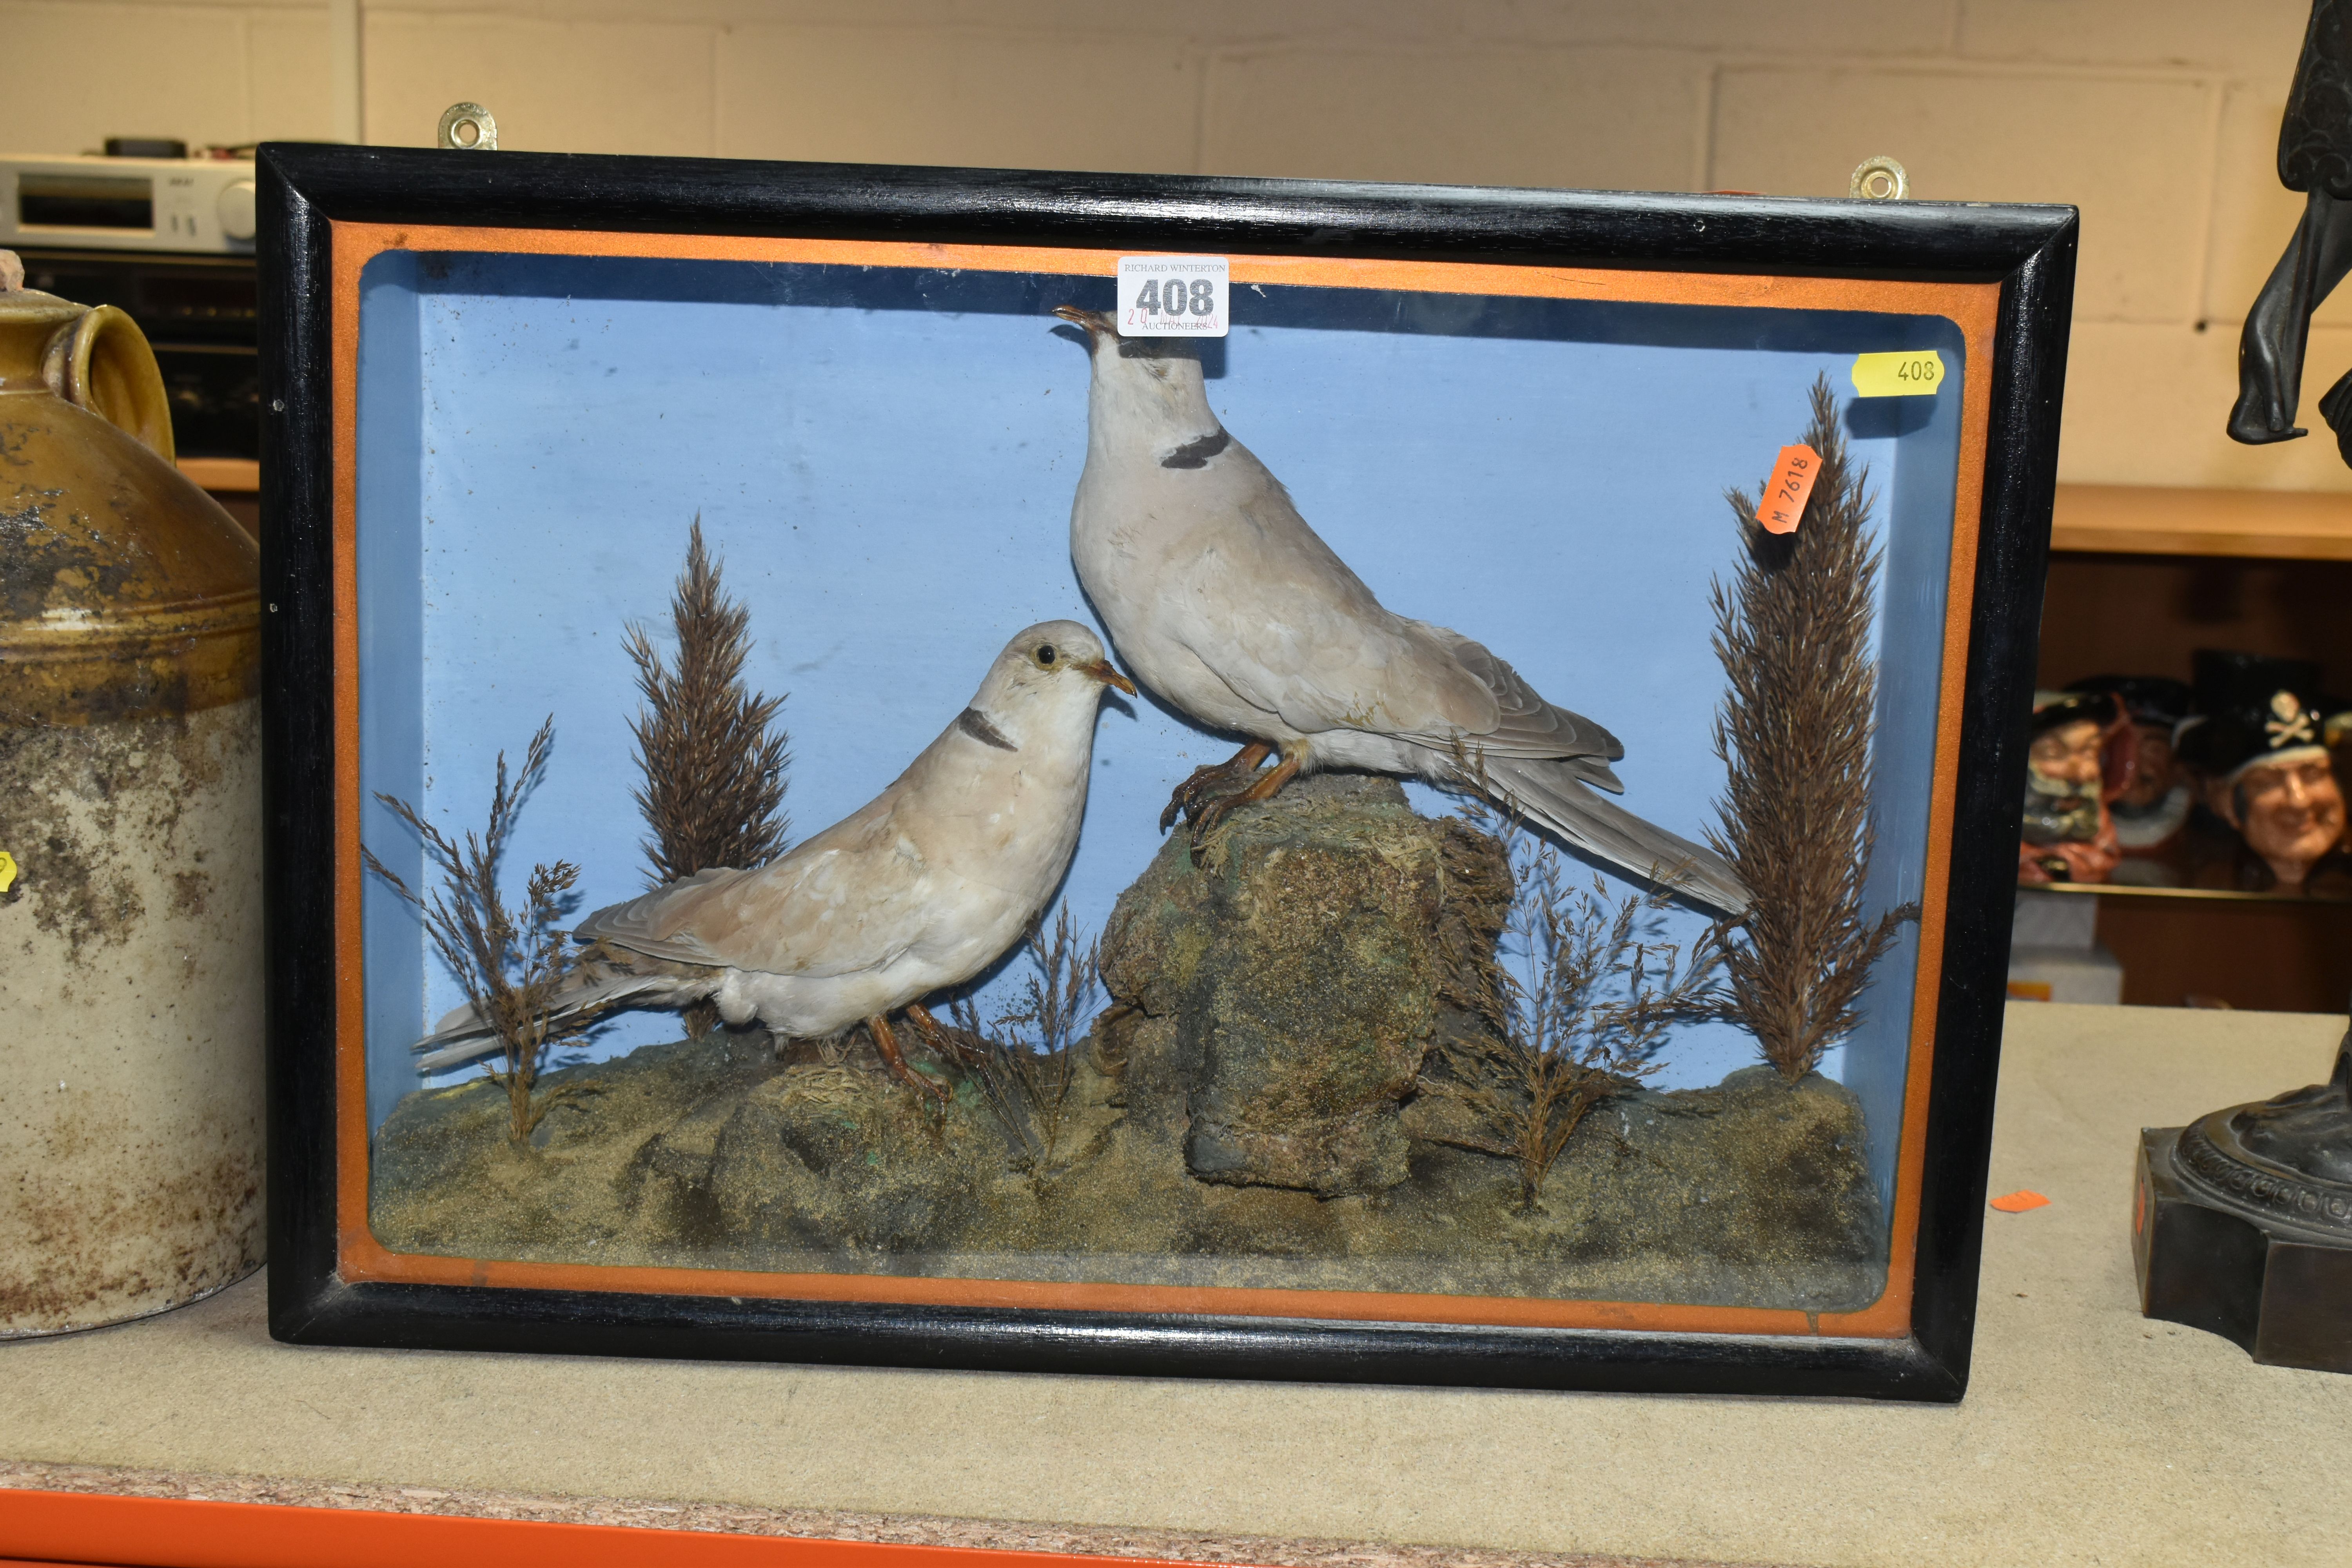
(131, 1087)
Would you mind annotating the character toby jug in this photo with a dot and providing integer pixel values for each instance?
(2269, 778)
(130, 980)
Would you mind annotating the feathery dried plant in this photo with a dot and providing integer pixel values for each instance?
(1025, 1063)
(1576, 996)
(713, 759)
(512, 965)
(1793, 634)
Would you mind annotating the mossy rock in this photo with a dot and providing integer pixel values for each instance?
(840, 1156)
(1291, 985)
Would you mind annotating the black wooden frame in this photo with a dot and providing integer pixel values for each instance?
(2028, 250)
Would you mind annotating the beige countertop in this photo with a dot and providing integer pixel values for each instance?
(2088, 1435)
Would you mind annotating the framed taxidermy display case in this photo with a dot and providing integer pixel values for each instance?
(1170, 775)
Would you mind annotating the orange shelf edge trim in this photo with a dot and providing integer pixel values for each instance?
(82, 1528)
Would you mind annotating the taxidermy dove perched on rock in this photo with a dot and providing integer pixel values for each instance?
(1222, 600)
(922, 887)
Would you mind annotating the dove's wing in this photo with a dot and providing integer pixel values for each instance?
(1525, 724)
(1285, 622)
(851, 899)
(653, 923)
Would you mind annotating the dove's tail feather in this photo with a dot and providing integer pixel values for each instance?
(1551, 795)
(465, 1035)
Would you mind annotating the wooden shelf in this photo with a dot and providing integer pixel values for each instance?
(2146, 519)
(2205, 895)
(240, 475)
(2266, 953)
(2141, 577)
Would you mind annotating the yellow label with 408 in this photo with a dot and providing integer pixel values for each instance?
(1911, 372)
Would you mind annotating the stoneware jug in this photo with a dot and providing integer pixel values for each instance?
(131, 970)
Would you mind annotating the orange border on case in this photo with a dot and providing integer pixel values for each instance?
(1971, 307)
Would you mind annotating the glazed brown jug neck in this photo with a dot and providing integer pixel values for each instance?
(95, 358)
(125, 590)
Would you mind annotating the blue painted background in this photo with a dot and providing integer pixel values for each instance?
(884, 458)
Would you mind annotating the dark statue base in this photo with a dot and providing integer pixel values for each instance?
(2243, 1224)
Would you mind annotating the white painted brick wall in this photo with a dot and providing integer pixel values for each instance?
(2157, 117)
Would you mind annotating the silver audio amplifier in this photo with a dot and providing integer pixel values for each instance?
(193, 206)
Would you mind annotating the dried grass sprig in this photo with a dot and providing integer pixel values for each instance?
(713, 758)
(714, 761)
(1578, 996)
(1793, 632)
(511, 965)
(1025, 1063)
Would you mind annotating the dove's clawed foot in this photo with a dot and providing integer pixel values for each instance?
(1212, 779)
(953, 1043)
(1265, 786)
(887, 1044)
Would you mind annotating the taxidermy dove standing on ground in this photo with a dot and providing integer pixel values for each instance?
(1222, 600)
(922, 887)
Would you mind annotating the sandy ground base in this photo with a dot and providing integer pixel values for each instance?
(1752, 1194)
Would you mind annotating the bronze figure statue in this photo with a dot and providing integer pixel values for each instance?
(2243, 1224)
(2316, 158)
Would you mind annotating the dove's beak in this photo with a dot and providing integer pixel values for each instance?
(1094, 321)
(1101, 670)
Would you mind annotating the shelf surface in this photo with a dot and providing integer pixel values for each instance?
(2088, 1434)
(2147, 520)
(2193, 895)
(239, 475)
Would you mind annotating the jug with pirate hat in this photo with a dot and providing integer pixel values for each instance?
(2260, 749)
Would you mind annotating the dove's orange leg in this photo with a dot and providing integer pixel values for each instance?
(887, 1044)
(938, 1036)
(1264, 787)
(1189, 794)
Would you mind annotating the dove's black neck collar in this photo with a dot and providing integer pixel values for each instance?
(1196, 453)
(976, 724)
